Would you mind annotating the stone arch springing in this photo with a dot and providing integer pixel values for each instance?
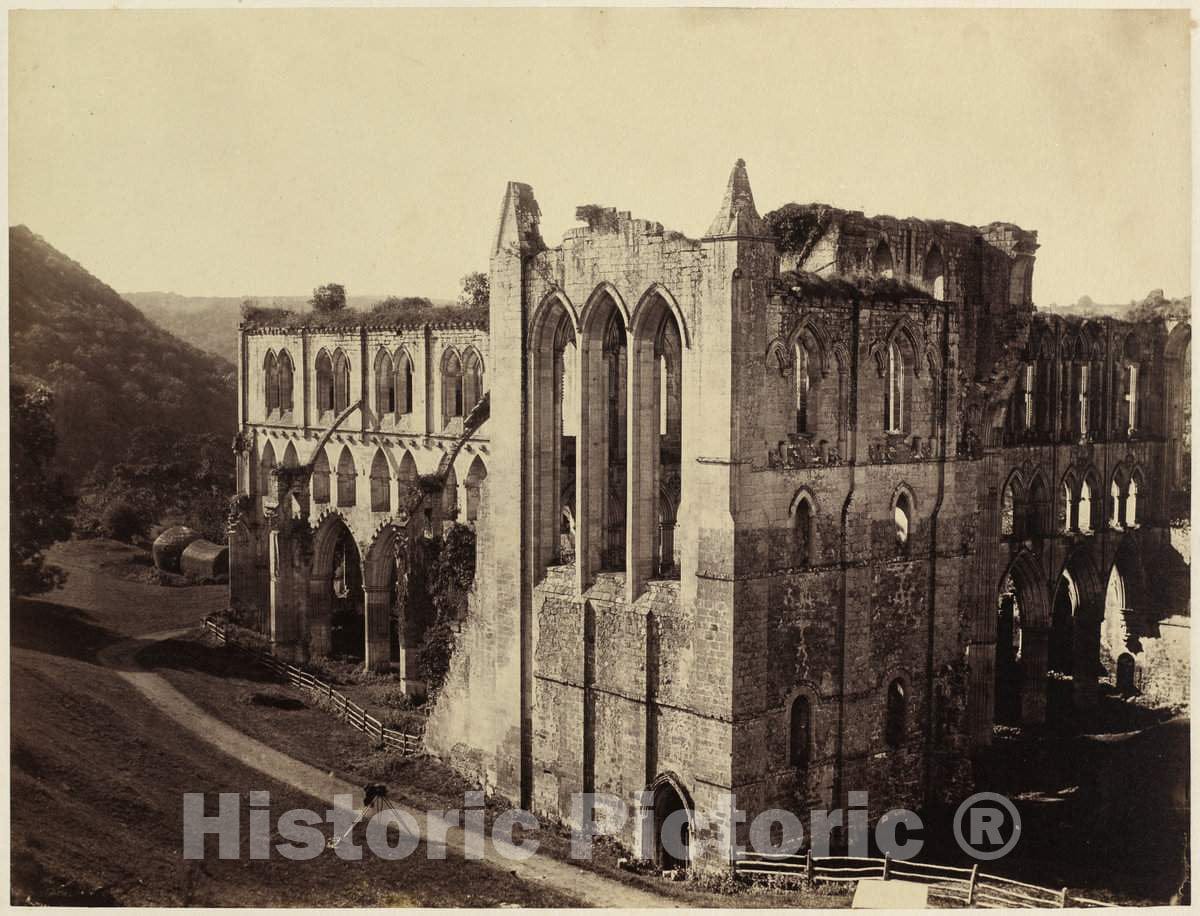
(381, 483)
(347, 479)
(554, 407)
(325, 385)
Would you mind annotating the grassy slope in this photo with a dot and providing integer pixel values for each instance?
(98, 775)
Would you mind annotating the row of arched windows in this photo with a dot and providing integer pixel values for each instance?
(462, 383)
(1024, 512)
(800, 732)
(804, 522)
(278, 381)
(933, 270)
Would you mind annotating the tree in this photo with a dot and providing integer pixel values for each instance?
(475, 290)
(40, 499)
(328, 298)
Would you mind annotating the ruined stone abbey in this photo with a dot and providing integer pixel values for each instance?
(784, 513)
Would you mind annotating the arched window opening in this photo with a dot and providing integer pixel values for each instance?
(1131, 507)
(663, 394)
(270, 383)
(452, 387)
(381, 484)
(1027, 396)
(1082, 399)
(802, 532)
(346, 483)
(341, 382)
(893, 405)
(472, 381)
(265, 467)
(324, 383)
(666, 556)
(405, 377)
(896, 724)
(1117, 504)
(320, 478)
(1065, 513)
(1131, 398)
(1007, 510)
(1084, 510)
(450, 496)
(807, 379)
(568, 357)
(801, 733)
(385, 385)
(1037, 509)
(881, 261)
(934, 272)
(474, 486)
(902, 514)
(287, 374)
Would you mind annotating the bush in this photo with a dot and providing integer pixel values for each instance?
(123, 521)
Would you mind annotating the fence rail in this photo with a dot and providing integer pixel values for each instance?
(947, 884)
(342, 706)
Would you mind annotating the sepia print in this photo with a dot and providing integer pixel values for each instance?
(478, 457)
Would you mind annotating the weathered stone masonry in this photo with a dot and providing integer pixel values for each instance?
(758, 505)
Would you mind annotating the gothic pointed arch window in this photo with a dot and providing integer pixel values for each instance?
(1028, 379)
(895, 389)
(902, 515)
(1008, 510)
(800, 733)
(385, 385)
(881, 260)
(472, 381)
(452, 387)
(1037, 509)
(381, 484)
(341, 382)
(1066, 506)
(270, 383)
(803, 531)
(1131, 501)
(324, 371)
(320, 477)
(934, 273)
(346, 479)
(807, 359)
(265, 467)
(404, 381)
(1083, 511)
(286, 374)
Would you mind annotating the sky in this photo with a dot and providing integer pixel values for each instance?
(256, 152)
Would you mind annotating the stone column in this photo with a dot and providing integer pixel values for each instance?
(1035, 642)
(641, 417)
(377, 609)
(287, 604)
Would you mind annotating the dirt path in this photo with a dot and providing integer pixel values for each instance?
(560, 876)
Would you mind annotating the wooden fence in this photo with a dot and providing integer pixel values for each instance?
(948, 885)
(341, 705)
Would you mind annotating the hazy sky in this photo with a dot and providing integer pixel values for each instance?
(266, 152)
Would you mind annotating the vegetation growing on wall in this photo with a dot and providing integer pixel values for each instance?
(451, 574)
(808, 286)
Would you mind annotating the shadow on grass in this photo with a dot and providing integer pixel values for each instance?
(192, 653)
(58, 629)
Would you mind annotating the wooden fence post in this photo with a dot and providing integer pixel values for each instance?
(887, 864)
(971, 888)
(1063, 900)
(808, 867)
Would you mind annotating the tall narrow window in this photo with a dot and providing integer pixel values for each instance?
(803, 383)
(472, 381)
(801, 733)
(270, 383)
(320, 478)
(1131, 504)
(895, 723)
(664, 377)
(803, 533)
(1068, 499)
(452, 387)
(903, 518)
(287, 374)
(894, 392)
(324, 383)
(1131, 395)
(1114, 495)
(385, 385)
(1082, 427)
(381, 484)
(341, 382)
(346, 482)
(405, 380)
(1084, 510)
(1028, 396)
(1007, 510)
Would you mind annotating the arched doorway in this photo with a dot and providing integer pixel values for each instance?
(335, 593)
(672, 826)
(394, 622)
(1022, 635)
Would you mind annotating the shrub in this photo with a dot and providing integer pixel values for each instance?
(123, 521)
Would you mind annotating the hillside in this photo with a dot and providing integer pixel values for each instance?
(115, 375)
(211, 322)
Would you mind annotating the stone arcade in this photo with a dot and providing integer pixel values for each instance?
(784, 515)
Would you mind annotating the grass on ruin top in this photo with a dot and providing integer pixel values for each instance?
(390, 313)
